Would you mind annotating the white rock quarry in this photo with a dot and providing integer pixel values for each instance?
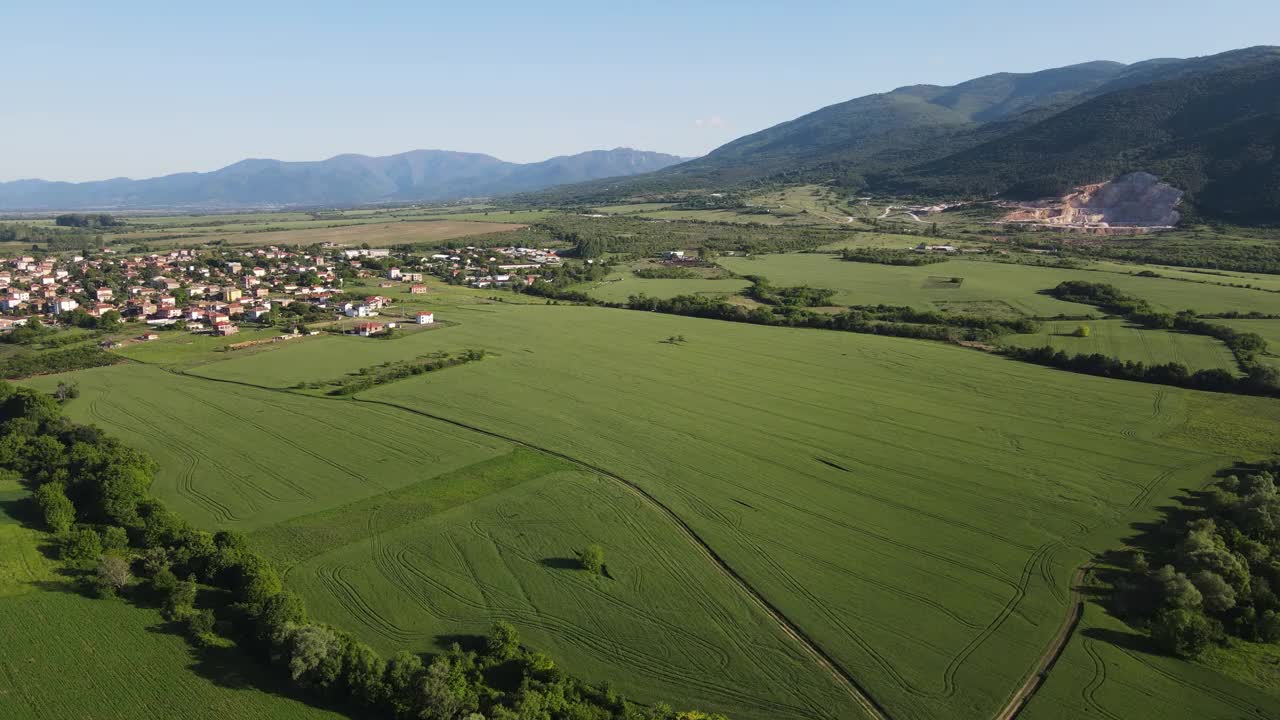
(1137, 202)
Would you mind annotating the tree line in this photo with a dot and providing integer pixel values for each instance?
(876, 320)
(372, 377)
(92, 493)
(87, 220)
(1210, 571)
(889, 256)
(1259, 378)
(28, 364)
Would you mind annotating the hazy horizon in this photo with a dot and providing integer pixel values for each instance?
(143, 89)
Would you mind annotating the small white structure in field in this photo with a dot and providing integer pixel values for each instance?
(426, 318)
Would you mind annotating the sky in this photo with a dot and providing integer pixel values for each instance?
(136, 89)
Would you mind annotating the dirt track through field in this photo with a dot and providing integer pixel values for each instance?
(846, 681)
(1075, 610)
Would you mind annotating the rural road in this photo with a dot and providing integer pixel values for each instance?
(1075, 610)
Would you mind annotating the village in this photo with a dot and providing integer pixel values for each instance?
(215, 291)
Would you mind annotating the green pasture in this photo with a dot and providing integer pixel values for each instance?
(1019, 286)
(1121, 339)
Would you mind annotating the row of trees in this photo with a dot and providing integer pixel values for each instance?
(766, 292)
(28, 364)
(1261, 382)
(87, 220)
(93, 494)
(890, 256)
(877, 320)
(373, 377)
(1213, 570)
(1248, 348)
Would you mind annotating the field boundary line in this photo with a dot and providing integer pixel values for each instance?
(861, 697)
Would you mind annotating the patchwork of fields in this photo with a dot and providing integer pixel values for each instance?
(916, 509)
(1019, 287)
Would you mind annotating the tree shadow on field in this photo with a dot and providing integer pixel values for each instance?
(562, 563)
(1130, 641)
(475, 643)
(234, 669)
(1105, 590)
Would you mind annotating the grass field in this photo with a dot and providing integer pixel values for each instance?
(922, 532)
(1121, 339)
(1018, 286)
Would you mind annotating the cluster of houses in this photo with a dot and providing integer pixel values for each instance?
(494, 267)
(207, 291)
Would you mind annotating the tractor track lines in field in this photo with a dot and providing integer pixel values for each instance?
(186, 479)
(285, 440)
(350, 600)
(856, 692)
(1245, 708)
(240, 478)
(1089, 693)
(1028, 571)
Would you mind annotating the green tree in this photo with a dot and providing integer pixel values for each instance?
(504, 641)
(181, 600)
(403, 671)
(1185, 633)
(592, 559)
(82, 546)
(314, 655)
(1083, 331)
(55, 507)
(114, 539)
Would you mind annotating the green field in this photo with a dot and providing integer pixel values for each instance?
(1018, 286)
(1121, 339)
(239, 457)
(922, 532)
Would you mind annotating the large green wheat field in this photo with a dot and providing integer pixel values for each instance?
(917, 510)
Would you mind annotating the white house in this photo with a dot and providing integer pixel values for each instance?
(426, 318)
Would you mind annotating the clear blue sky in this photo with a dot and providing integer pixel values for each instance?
(126, 88)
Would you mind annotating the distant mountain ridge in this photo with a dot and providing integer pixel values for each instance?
(426, 175)
(1209, 125)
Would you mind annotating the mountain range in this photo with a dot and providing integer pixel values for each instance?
(426, 175)
(1209, 125)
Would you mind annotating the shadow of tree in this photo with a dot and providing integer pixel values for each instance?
(562, 563)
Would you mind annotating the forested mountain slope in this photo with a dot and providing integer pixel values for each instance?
(1215, 135)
